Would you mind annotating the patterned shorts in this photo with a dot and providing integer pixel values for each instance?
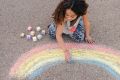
(77, 36)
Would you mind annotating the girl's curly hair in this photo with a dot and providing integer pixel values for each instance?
(79, 7)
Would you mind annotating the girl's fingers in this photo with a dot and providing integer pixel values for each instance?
(67, 56)
(90, 41)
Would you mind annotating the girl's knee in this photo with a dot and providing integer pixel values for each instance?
(78, 37)
(52, 34)
(52, 30)
(51, 26)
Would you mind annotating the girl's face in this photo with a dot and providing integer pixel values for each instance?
(70, 15)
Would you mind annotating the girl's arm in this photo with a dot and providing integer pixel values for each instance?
(86, 22)
(59, 36)
(61, 42)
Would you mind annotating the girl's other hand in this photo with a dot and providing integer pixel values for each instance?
(89, 39)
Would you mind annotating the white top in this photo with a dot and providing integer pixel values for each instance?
(67, 28)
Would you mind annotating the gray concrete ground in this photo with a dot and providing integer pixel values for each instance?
(16, 15)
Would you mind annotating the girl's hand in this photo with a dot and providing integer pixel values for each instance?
(89, 39)
(67, 55)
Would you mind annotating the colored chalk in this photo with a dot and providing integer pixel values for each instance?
(34, 38)
(43, 32)
(22, 35)
(39, 36)
(29, 37)
(32, 33)
(35, 62)
(29, 28)
(38, 28)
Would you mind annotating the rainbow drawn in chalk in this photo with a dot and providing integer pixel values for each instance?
(35, 62)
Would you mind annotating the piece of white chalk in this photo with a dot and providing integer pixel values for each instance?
(34, 38)
(22, 35)
(38, 28)
(43, 32)
(39, 36)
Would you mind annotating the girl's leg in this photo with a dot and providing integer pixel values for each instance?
(52, 30)
(79, 33)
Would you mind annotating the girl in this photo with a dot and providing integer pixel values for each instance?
(70, 17)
